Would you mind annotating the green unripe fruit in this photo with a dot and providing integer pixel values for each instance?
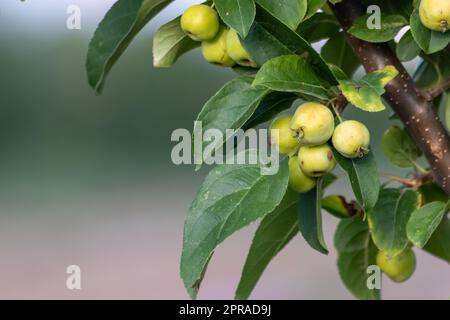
(315, 161)
(313, 123)
(215, 50)
(237, 51)
(398, 268)
(298, 181)
(435, 14)
(351, 139)
(200, 22)
(285, 141)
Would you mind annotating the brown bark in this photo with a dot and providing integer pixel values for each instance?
(406, 99)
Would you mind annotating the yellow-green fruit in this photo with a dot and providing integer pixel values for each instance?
(237, 51)
(315, 161)
(298, 181)
(282, 137)
(351, 139)
(435, 14)
(200, 22)
(313, 123)
(398, 268)
(215, 50)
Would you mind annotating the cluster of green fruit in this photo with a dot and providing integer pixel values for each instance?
(220, 44)
(435, 14)
(305, 136)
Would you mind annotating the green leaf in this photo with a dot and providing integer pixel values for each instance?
(289, 12)
(407, 48)
(114, 34)
(337, 52)
(356, 252)
(328, 179)
(310, 218)
(269, 38)
(230, 198)
(291, 73)
(270, 106)
(169, 43)
(428, 40)
(237, 14)
(389, 217)
(390, 26)
(319, 27)
(432, 192)
(424, 221)
(313, 7)
(399, 148)
(439, 243)
(364, 178)
(335, 205)
(433, 70)
(273, 234)
(366, 93)
(338, 73)
(229, 108)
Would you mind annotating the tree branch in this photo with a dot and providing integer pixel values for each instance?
(405, 98)
(438, 89)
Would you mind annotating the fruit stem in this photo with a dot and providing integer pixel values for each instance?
(336, 112)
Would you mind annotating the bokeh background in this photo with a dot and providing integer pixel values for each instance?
(88, 180)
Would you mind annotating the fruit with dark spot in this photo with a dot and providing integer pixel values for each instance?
(215, 50)
(237, 51)
(298, 181)
(315, 161)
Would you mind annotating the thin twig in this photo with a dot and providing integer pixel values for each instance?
(437, 90)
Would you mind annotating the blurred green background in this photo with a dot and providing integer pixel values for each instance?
(88, 180)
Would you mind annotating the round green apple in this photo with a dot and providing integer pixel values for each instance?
(200, 22)
(435, 14)
(313, 123)
(282, 137)
(315, 161)
(215, 50)
(298, 181)
(237, 51)
(351, 139)
(399, 268)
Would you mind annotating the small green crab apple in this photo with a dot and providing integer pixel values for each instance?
(435, 14)
(285, 141)
(237, 51)
(351, 139)
(215, 50)
(399, 268)
(313, 123)
(200, 22)
(315, 161)
(298, 181)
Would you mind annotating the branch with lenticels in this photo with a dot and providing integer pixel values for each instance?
(411, 104)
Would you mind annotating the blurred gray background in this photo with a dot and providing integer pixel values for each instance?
(88, 179)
